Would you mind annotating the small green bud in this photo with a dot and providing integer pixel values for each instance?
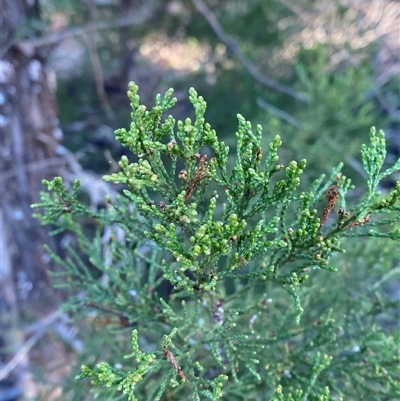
(124, 162)
(196, 250)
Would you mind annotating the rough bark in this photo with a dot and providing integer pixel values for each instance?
(28, 152)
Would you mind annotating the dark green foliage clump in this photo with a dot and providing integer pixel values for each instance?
(190, 264)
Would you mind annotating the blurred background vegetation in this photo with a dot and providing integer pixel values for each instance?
(318, 73)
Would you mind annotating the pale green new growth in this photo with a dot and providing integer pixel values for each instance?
(218, 234)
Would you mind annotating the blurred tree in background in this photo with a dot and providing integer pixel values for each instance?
(312, 68)
(319, 73)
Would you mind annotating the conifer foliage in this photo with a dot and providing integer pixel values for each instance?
(196, 250)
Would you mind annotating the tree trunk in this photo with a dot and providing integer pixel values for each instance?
(29, 140)
(28, 150)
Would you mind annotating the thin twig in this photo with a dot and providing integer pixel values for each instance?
(137, 18)
(34, 166)
(23, 351)
(90, 39)
(234, 47)
(284, 115)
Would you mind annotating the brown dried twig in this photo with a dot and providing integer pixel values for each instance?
(200, 174)
(358, 223)
(332, 195)
(168, 355)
